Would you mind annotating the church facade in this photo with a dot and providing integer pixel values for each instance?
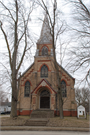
(38, 84)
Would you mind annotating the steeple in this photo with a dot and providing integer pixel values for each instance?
(45, 37)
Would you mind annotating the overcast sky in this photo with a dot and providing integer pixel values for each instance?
(35, 29)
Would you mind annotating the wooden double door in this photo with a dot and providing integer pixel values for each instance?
(45, 99)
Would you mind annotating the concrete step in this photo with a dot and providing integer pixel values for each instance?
(36, 122)
(42, 114)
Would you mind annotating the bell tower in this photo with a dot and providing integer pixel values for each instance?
(44, 54)
(44, 43)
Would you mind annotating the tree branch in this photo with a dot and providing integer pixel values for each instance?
(8, 11)
(5, 36)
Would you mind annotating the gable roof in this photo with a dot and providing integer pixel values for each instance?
(26, 70)
(80, 107)
(46, 83)
(65, 71)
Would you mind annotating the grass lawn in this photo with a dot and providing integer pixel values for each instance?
(69, 122)
(18, 121)
(53, 122)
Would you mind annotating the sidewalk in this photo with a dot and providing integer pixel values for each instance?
(42, 128)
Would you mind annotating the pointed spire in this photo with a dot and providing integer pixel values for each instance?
(45, 37)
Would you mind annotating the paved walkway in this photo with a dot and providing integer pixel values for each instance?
(4, 115)
(42, 128)
(43, 133)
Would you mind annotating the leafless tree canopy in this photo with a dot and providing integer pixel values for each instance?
(80, 52)
(20, 15)
(14, 21)
(3, 96)
(83, 97)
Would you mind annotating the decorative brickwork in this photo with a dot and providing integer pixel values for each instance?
(45, 81)
(53, 101)
(34, 100)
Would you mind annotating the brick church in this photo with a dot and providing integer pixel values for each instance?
(38, 84)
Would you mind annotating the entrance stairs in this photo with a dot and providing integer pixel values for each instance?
(42, 113)
(36, 122)
(39, 117)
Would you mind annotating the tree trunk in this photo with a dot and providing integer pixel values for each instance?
(14, 87)
(58, 76)
(14, 99)
(59, 87)
(14, 70)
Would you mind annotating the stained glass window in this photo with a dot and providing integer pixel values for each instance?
(27, 89)
(63, 88)
(44, 51)
(44, 71)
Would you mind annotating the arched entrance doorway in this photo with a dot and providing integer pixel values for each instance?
(45, 99)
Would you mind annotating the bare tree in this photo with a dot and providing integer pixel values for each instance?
(52, 17)
(83, 97)
(86, 97)
(3, 96)
(14, 20)
(78, 96)
(80, 51)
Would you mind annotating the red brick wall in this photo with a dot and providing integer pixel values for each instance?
(65, 113)
(24, 112)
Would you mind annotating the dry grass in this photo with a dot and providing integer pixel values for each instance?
(18, 121)
(68, 122)
(53, 122)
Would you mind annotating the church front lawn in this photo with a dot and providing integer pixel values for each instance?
(53, 122)
(69, 122)
(18, 121)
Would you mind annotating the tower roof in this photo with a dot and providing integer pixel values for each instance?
(45, 37)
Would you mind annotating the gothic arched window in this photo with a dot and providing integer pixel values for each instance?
(27, 89)
(44, 71)
(63, 88)
(44, 51)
